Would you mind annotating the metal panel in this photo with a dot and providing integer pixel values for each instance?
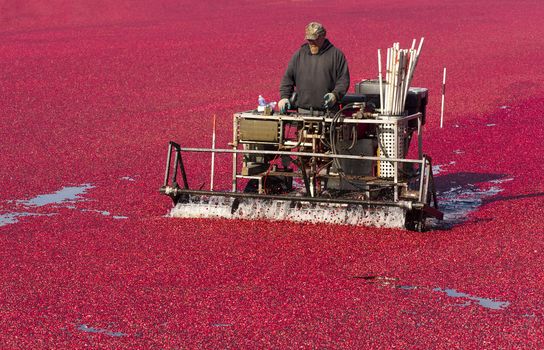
(258, 130)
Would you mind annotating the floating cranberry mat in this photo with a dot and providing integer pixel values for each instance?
(92, 91)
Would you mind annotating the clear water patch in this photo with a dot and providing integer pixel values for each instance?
(466, 299)
(101, 212)
(106, 213)
(87, 329)
(66, 197)
(13, 218)
(67, 194)
(483, 302)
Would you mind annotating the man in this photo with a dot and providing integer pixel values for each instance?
(318, 72)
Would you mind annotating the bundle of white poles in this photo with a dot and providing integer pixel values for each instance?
(400, 67)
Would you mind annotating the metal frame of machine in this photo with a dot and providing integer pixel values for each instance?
(345, 167)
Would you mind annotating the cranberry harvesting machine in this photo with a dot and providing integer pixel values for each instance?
(345, 167)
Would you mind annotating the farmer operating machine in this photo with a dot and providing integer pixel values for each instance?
(345, 167)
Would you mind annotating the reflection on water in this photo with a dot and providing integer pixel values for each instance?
(458, 202)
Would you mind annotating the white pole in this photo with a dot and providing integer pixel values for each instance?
(443, 95)
(392, 84)
(403, 71)
(380, 78)
(387, 81)
(393, 79)
(213, 154)
(420, 45)
(409, 74)
(396, 79)
(398, 69)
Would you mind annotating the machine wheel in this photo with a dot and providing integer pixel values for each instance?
(421, 223)
(416, 221)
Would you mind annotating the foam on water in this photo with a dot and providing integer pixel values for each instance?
(437, 169)
(127, 178)
(251, 208)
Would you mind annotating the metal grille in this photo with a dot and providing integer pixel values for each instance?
(392, 148)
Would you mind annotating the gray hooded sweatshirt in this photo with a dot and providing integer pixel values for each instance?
(313, 76)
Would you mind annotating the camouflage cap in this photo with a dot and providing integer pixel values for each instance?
(314, 30)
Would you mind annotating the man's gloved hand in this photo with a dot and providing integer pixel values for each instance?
(329, 100)
(284, 105)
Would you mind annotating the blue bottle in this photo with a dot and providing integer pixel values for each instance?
(262, 103)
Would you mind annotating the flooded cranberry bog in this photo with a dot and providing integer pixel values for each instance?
(90, 94)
